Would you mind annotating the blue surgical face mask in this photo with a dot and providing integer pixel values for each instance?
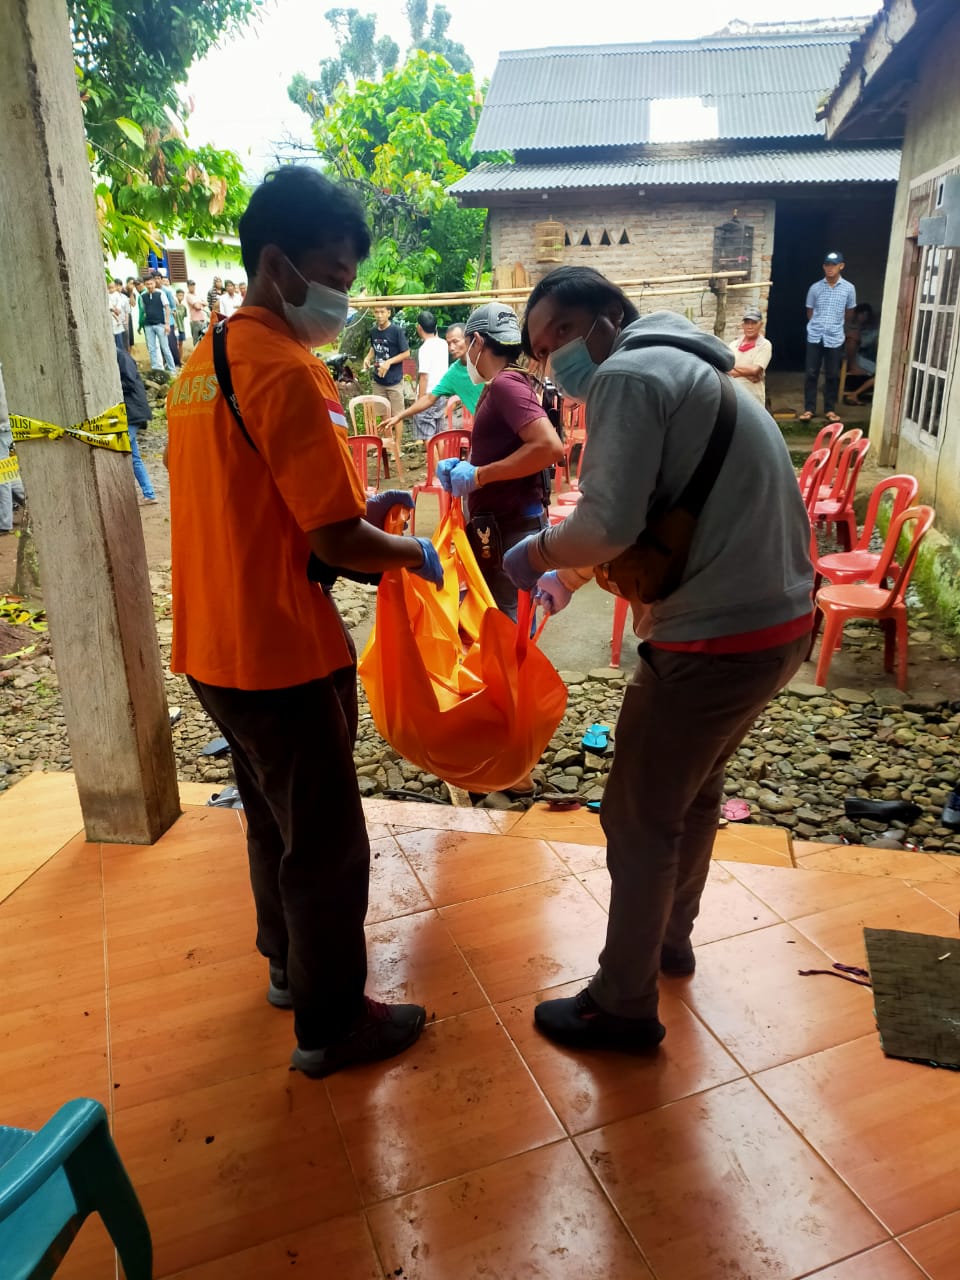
(321, 315)
(572, 367)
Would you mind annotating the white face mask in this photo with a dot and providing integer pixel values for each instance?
(321, 315)
(475, 375)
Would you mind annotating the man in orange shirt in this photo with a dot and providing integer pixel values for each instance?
(261, 484)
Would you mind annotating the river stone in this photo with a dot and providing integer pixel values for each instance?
(772, 803)
(608, 675)
(854, 697)
(801, 690)
(889, 697)
(561, 782)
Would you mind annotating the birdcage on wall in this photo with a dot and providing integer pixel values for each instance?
(732, 247)
(549, 241)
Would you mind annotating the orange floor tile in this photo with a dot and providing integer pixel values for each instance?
(768, 1139)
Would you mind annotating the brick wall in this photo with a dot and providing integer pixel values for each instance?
(667, 238)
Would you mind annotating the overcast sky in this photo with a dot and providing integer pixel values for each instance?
(240, 90)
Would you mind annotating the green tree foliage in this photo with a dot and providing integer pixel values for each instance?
(400, 143)
(439, 42)
(132, 60)
(360, 55)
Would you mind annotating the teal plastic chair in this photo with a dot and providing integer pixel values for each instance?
(52, 1180)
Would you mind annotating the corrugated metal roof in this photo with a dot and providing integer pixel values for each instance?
(756, 168)
(763, 87)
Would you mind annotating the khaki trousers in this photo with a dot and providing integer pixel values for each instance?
(683, 716)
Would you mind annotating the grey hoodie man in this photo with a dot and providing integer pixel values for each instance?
(718, 648)
(650, 410)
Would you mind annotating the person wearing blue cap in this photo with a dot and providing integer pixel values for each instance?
(830, 307)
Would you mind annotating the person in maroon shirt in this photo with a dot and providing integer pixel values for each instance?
(513, 444)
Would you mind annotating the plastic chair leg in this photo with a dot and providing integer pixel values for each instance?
(398, 449)
(620, 609)
(832, 631)
(902, 652)
(889, 629)
(815, 630)
(851, 531)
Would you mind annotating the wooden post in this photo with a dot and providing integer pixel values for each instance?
(481, 261)
(59, 363)
(720, 323)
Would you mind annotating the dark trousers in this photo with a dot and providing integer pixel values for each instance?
(511, 532)
(832, 360)
(174, 345)
(683, 716)
(306, 839)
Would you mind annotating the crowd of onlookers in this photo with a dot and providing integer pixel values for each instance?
(165, 316)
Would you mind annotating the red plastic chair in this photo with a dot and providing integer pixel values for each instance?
(574, 422)
(811, 476)
(840, 443)
(361, 447)
(620, 611)
(841, 567)
(838, 507)
(445, 444)
(827, 436)
(466, 417)
(373, 412)
(857, 564)
(871, 599)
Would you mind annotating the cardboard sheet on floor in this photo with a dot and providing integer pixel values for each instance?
(916, 986)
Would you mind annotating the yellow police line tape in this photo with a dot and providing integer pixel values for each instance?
(108, 430)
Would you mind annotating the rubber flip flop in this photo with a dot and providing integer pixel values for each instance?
(594, 805)
(559, 802)
(736, 811)
(215, 747)
(228, 798)
(597, 738)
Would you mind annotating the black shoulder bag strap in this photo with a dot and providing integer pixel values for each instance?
(221, 367)
(317, 570)
(701, 482)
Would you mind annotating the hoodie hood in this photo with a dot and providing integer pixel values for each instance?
(667, 329)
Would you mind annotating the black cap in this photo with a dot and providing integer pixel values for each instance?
(833, 258)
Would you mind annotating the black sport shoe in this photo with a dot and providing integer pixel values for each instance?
(278, 992)
(678, 962)
(381, 1031)
(578, 1020)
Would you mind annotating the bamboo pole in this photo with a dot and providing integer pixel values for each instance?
(474, 299)
(467, 297)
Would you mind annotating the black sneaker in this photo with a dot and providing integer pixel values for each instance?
(678, 962)
(579, 1021)
(278, 992)
(381, 1031)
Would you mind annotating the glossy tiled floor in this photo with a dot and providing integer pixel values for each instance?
(769, 1139)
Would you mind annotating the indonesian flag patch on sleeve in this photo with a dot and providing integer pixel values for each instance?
(337, 415)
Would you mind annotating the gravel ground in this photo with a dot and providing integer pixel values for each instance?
(809, 750)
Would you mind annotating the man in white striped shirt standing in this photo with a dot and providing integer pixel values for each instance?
(830, 306)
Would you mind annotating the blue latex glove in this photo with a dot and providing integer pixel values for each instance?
(443, 473)
(550, 594)
(431, 570)
(463, 479)
(517, 566)
(381, 504)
